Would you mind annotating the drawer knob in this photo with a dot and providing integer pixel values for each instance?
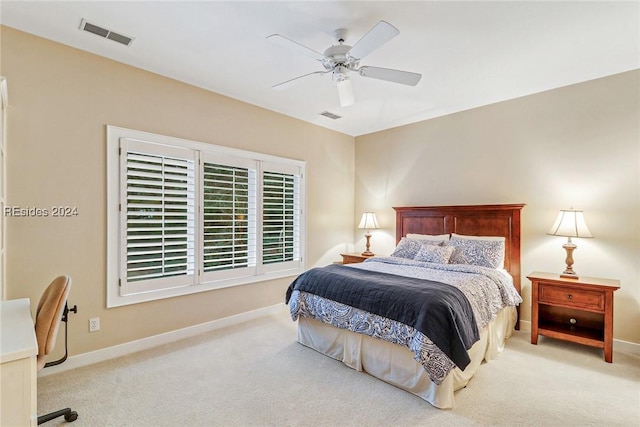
(569, 296)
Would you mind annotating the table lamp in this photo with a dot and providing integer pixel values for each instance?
(570, 223)
(368, 222)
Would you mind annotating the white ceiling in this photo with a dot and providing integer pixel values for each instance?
(469, 53)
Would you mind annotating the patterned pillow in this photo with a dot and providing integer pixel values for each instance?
(477, 250)
(432, 253)
(408, 248)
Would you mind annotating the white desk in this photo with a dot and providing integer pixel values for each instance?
(18, 370)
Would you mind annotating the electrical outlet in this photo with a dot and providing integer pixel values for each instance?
(94, 324)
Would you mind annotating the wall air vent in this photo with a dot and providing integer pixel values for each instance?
(103, 32)
(330, 115)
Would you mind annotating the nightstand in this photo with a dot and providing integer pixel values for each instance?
(353, 258)
(578, 310)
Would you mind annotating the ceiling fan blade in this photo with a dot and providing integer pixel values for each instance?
(289, 82)
(396, 76)
(291, 45)
(381, 33)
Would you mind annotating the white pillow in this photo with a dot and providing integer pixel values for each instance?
(432, 237)
(464, 236)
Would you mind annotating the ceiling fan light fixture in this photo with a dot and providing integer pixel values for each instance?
(345, 92)
(340, 59)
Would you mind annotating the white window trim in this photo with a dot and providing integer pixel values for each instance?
(114, 299)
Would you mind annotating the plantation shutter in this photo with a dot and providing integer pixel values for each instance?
(280, 216)
(186, 216)
(157, 216)
(229, 216)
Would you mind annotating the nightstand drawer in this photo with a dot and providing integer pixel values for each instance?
(579, 298)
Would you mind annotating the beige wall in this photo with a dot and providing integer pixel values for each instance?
(61, 99)
(574, 146)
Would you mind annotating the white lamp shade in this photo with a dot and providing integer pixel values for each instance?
(570, 223)
(345, 92)
(368, 221)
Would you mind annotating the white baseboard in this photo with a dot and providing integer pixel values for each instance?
(525, 325)
(626, 347)
(618, 345)
(156, 340)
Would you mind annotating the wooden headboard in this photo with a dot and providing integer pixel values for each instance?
(473, 220)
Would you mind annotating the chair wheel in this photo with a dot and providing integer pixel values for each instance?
(71, 416)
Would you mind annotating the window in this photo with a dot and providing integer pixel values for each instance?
(187, 217)
(229, 217)
(280, 224)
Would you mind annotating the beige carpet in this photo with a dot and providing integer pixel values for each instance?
(255, 374)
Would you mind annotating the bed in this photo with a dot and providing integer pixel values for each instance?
(430, 345)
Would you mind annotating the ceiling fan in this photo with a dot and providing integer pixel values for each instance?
(341, 59)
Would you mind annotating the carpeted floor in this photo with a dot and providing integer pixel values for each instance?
(256, 374)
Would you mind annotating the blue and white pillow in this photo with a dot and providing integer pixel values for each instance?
(433, 253)
(485, 251)
(408, 248)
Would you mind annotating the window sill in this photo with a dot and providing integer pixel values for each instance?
(114, 299)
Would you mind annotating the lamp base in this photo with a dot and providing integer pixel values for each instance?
(568, 272)
(367, 252)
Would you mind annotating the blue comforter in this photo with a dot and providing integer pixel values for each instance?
(440, 311)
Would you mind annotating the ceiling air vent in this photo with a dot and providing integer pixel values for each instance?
(330, 115)
(103, 32)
